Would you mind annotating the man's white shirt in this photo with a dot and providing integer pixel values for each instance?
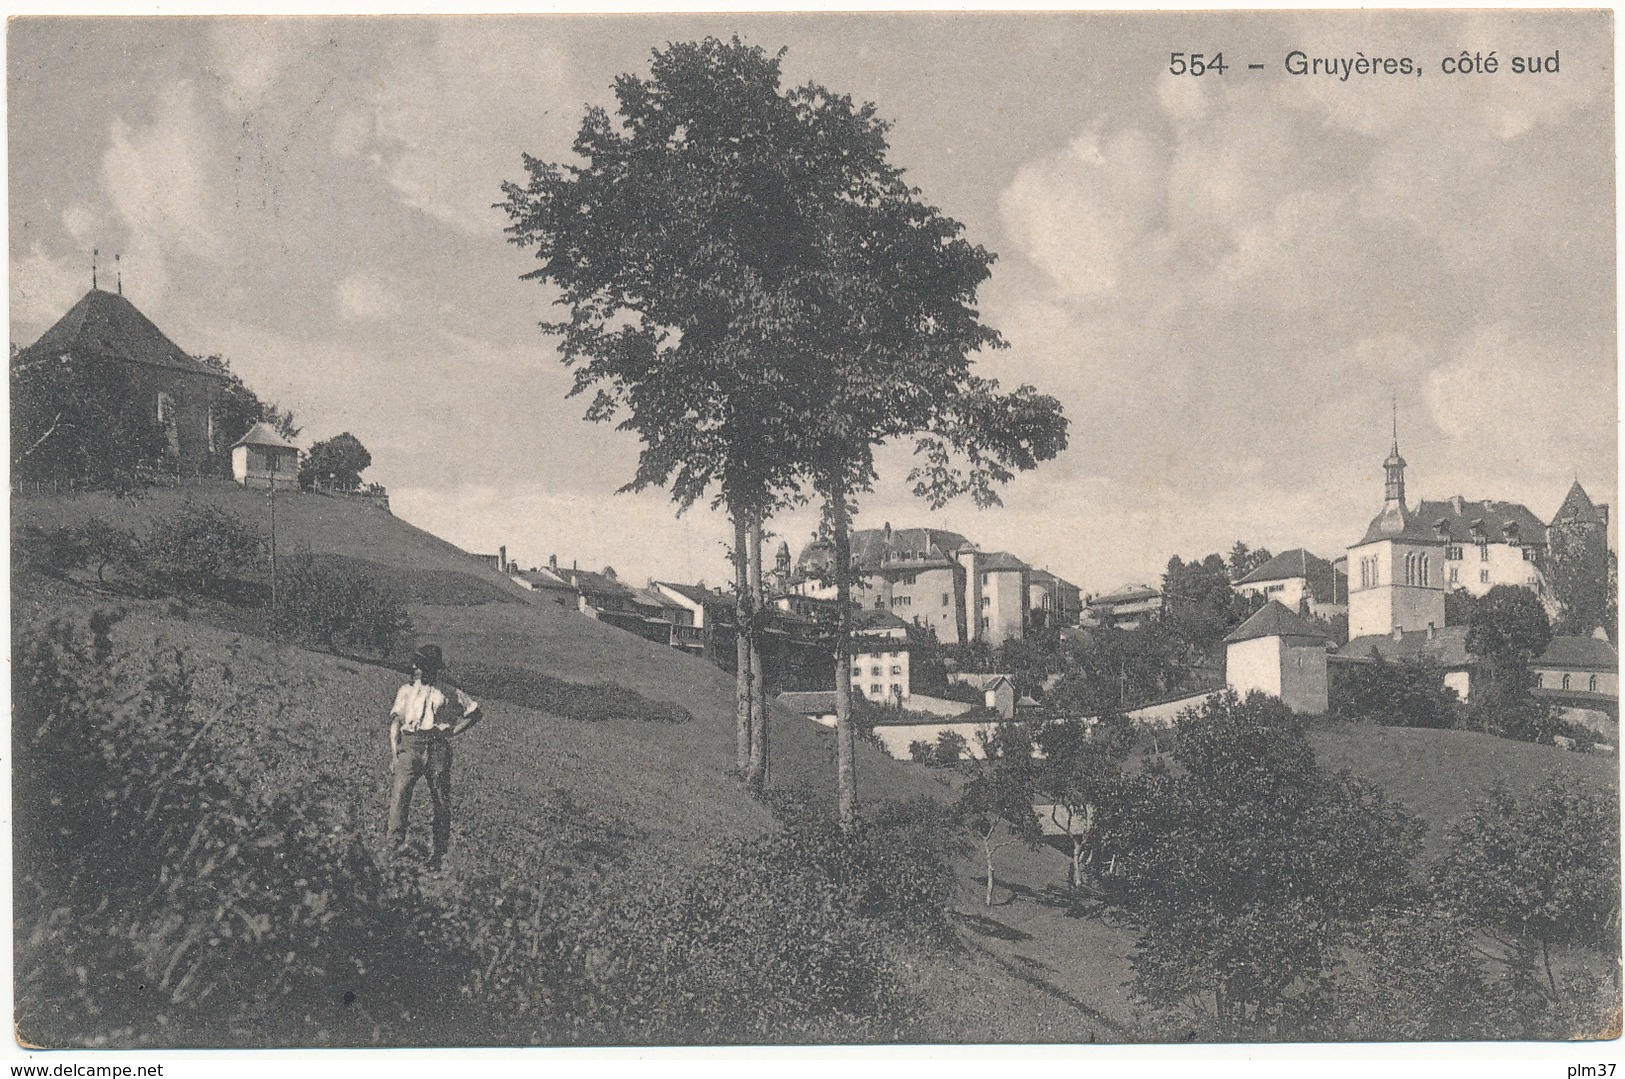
(418, 705)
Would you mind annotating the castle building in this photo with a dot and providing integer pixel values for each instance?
(928, 577)
(1409, 557)
(1280, 654)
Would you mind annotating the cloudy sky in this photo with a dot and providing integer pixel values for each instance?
(1223, 279)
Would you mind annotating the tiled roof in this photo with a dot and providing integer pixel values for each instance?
(104, 325)
(1456, 520)
(1577, 508)
(871, 619)
(1128, 594)
(1586, 653)
(1448, 646)
(1274, 620)
(1295, 563)
(873, 548)
(263, 434)
(1000, 560)
(653, 597)
(813, 703)
(694, 592)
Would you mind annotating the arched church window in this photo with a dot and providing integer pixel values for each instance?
(1565, 681)
(166, 420)
(1592, 684)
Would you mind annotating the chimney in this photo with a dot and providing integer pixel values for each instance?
(1456, 503)
(502, 558)
(552, 561)
(1399, 635)
(1430, 631)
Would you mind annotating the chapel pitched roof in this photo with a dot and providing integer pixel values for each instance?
(263, 434)
(1456, 520)
(1274, 620)
(106, 326)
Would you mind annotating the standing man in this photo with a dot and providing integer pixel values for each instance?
(425, 719)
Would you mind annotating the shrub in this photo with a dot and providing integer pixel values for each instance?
(200, 547)
(589, 702)
(338, 606)
(950, 749)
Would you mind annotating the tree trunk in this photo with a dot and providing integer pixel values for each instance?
(1077, 862)
(846, 774)
(742, 685)
(757, 774)
(987, 850)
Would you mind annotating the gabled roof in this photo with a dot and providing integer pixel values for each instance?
(695, 594)
(653, 597)
(1577, 509)
(872, 619)
(1296, 563)
(983, 682)
(1448, 646)
(263, 434)
(106, 326)
(1274, 620)
(1456, 520)
(1128, 594)
(542, 579)
(1585, 653)
(1000, 560)
(592, 583)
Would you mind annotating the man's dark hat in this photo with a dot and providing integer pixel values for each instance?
(428, 658)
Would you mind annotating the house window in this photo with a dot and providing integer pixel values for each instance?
(894, 655)
(875, 671)
(897, 669)
(1427, 573)
(1592, 684)
(907, 578)
(1454, 576)
(945, 599)
(1483, 552)
(1528, 554)
(1565, 681)
(1271, 589)
(1452, 554)
(984, 623)
(874, 690)
(987, 601)
(1483, 576)
(902, 601)
(166, 420)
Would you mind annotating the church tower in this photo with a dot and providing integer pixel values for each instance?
(1397, 571)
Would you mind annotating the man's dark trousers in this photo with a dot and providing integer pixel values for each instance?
(428, 756)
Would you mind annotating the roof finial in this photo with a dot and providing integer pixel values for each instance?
(93, 254)
(1394, 403)
(118, 275)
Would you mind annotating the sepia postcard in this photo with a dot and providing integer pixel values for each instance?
(1084, 533)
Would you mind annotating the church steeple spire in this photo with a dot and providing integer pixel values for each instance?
(1393, 488)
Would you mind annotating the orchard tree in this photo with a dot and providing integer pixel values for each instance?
(1250, 871)
(339, 461)
(1537, 872)
(1081, 771)
(996, 803)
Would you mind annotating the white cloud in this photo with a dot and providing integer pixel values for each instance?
(156, 178)
(250, 54)
(365, 297)
(1080, 213)
(82, 223)
(42, 290)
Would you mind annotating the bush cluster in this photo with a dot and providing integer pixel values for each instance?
(200, 547)
(337, 606)
(589, 702)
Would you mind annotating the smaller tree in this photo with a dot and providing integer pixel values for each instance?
(1081, 769)
(997, 802)
(1537, 872)
(200, 546)
(1509, 628)
(335, 462)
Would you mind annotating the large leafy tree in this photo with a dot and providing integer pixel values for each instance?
(755, 292)
(240, 408)
(1250, 870)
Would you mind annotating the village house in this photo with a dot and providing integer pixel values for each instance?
(1052, 601)
(155, 377)
(263, 458)
(1299, 581)
(1128, 607)
(880, 657)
